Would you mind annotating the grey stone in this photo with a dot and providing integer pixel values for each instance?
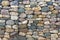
(9, 22)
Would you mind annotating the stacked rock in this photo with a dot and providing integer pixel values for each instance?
(29, 19)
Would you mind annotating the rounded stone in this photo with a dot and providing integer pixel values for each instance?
(5, 3)
(15, 38)
(1, 32)
(32, 27)
(58, 15)
(29, 16)
(0, 1)
(33, 4)
(22, 15)
(14, 3)
(30, 38)
(15, 26)
(9, 22)
(49, 3)
(21, 38)
(47, 34)
(32, 0)
(20, 10)
(4, 12)
(14, 13)
(45, 9)
(14, 17)
(23, 26)
(55, 11)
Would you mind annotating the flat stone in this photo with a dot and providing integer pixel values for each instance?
(32, 0)
(49, 3)
(0, 0)
(30, 38)
(21, 38)
(47, 34)
(23, 26)
(20, 10)
(45, 9)
(29, 16)
(33, 4)
(5, 3)
(9, 22)
(14, 17)
(4, 12)
(32, 27)
(22, 15)
(1, 32)
(14, 3)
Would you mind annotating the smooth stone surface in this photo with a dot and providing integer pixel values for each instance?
(33, 4)
(21, 38)
(14, 3)
(14, 17)
(22, 15)
(45, 9)
(5, 3)
(1, 32)
(10, 22)
(30, 38)
(21, 10)
(4, 12)
(32, 27)
(49, 3)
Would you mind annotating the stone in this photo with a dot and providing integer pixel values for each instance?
(5, 3)
(14, 3)
(30, 38)
(54, 36)
(0, 0)
(15, 26)
(20, 10)
(23, 26)
(33, 4)
(49, 3)
(47, 34)
(22, 15)
(14, 17)
(29, 16)
(32, 27)
(45, 9)
(13, 13)
(1, 32)
(22, 38)
(54, 31)
(5, 39)
(4, 12)
(9, 22)
(22, 34)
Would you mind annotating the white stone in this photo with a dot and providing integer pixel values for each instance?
(54, 31)
(24, 22)
(15, 27)
(54, 36)
(8, 26)
(46, 22)
(21, 33)
(14, 17)
(38, 19)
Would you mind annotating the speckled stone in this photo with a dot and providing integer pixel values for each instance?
(21, 10)
(10, 22)
(29, 19)
(5, 3)
(45, 9)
